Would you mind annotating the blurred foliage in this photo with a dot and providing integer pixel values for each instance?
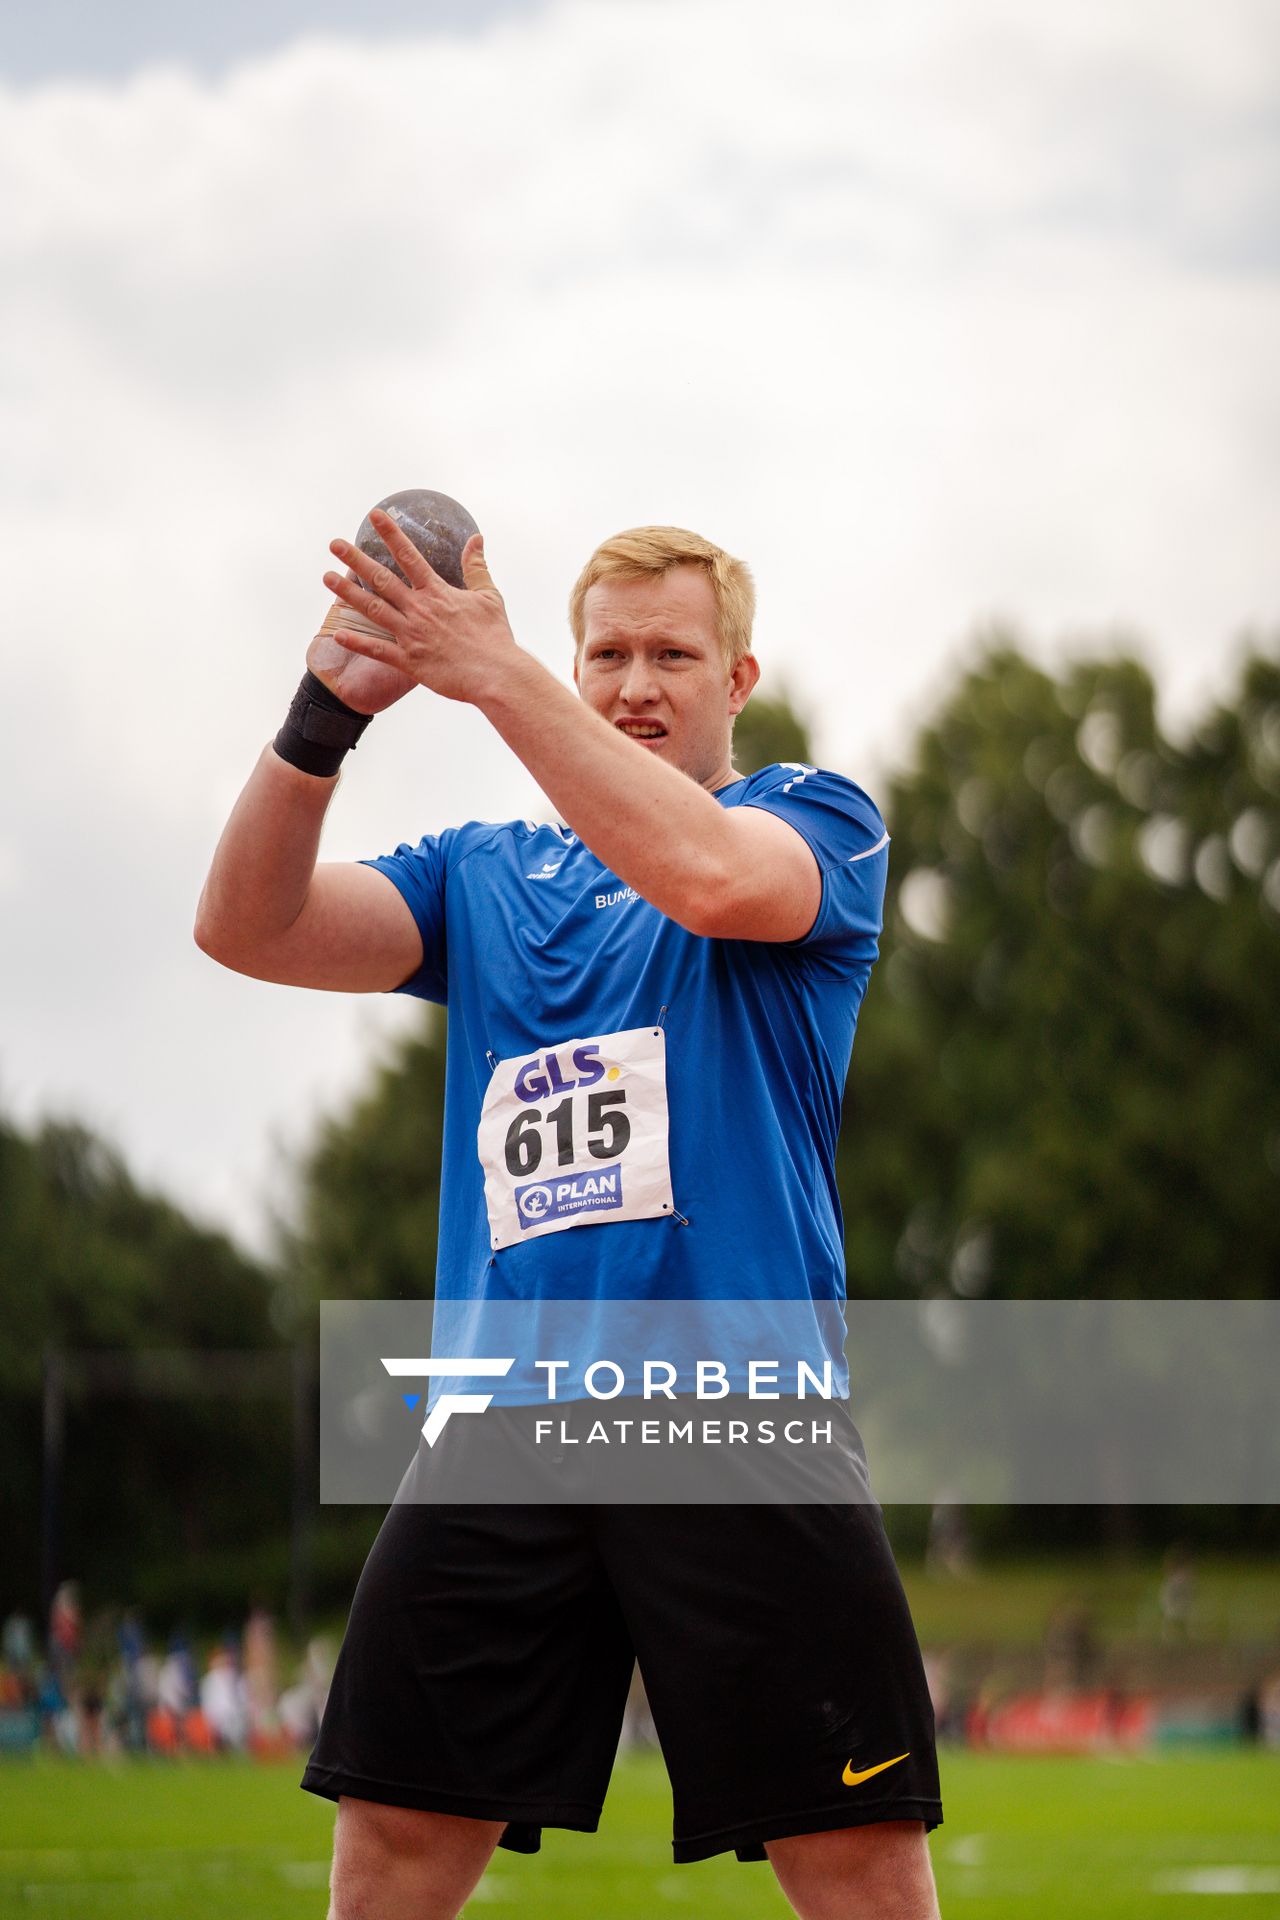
(1067, 1074)
(767, 731)
(371, 1188)
(90, 1262)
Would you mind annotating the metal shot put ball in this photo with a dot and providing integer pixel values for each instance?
(438, 527)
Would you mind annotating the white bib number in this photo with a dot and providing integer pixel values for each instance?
(576, 1135)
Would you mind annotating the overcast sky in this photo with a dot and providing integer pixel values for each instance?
(935, 312)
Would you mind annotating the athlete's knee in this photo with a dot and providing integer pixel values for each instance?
(881, 1870)
(398, 1863)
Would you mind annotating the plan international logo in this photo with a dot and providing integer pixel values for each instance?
(606, 1380)
(566, 1199)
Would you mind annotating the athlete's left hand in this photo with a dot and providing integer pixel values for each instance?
(455, 640)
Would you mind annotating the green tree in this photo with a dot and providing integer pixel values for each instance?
(91, 1263)
(371, 1186)
(769, 730)
(1067, 1081)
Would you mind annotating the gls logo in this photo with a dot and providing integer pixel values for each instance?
(600, 1133)
(434, 1424)
(542, 1076)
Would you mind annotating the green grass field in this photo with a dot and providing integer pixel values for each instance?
(1164, 1839)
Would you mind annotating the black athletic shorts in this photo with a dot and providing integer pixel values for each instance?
(489, 1651)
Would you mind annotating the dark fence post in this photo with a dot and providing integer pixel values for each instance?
(305, 1492)
(54, 1428)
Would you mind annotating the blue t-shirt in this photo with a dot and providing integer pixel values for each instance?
(530, 942)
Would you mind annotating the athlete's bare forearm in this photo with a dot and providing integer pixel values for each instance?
(270, 911)
(646, 821)
(264, 862)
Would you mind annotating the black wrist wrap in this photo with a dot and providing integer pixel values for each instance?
(319, 729)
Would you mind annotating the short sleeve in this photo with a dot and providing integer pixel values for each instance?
(843, 827)
(419, 873)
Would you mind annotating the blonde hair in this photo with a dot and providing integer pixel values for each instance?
(642, 552)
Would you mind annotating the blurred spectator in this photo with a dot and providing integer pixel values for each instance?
(1071, 1650)
(302, 1704)
(176, 1721)
(1269, 1710)
(1251, 1716)
(223, 1699)
(638, 1730)
(950, 1549)
(103, 1689)
(131, 1640)
(261, 1678)
(939, 1678)
(1178, 1593)
(176, 1681)
(19, 1685)
(19, 1720)
(18, 1648)
(65, 1632)
(92, 1680)
(58, 1722)
(134, 1690)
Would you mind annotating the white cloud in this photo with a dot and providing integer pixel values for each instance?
(929, 311)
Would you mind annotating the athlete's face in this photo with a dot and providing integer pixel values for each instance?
(652, 666)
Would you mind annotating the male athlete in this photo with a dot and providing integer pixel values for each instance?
(480, 1690)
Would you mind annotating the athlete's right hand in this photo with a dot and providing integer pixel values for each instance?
(367, 685)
